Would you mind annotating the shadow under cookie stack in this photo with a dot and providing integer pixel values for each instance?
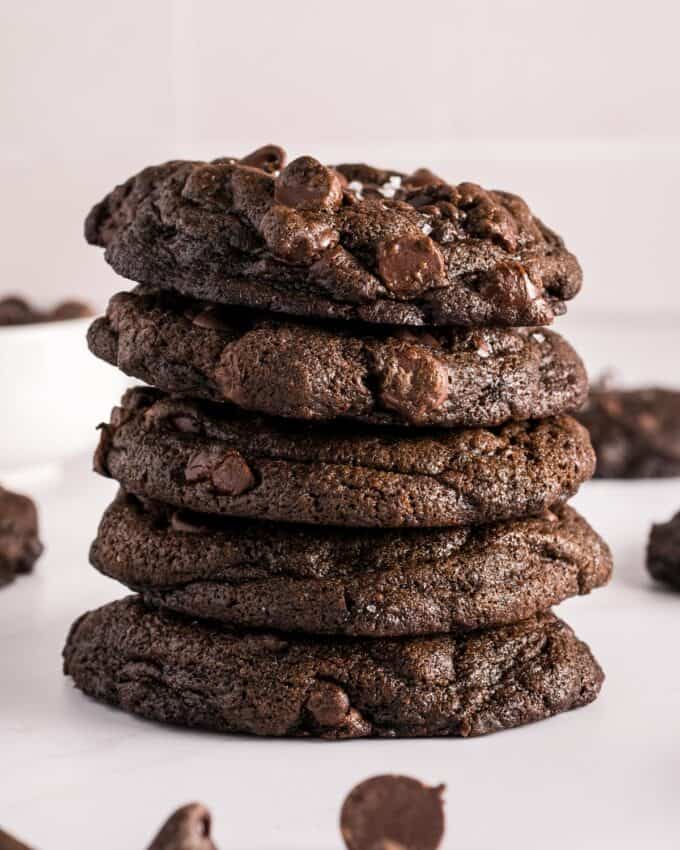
(342, 505)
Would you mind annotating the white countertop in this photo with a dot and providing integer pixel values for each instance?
(74, 773)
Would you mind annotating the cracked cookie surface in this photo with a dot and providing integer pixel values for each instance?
(354, 582)
(175, 671)
(344, 242)
(207, 458)
(295, 369)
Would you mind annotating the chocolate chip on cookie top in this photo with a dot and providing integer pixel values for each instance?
(345, 241)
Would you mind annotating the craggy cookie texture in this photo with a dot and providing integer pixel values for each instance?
(663, 552)
(288, 368)
(635, 433)
(20, 546)
(175, 671)
(215, 459)
(353, 582)
(346, 242)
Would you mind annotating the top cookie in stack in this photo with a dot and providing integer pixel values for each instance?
(341, 356)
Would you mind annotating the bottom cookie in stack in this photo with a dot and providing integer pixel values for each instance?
(167, 668)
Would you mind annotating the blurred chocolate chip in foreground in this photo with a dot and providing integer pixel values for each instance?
(393, 813)
(187, 829)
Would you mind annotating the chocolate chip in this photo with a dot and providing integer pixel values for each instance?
(296, 237)
(388, 810)
(410, 265)
(214, 318)
(204, 183)
(199, 467)
(187, 829)
(422, 177)
(306, 184)
(328, 704)
(269, 158)
(414, 381)
(509, 287)
(233, 476)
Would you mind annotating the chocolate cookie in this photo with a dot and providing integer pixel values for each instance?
(165, 668)
(17, 311)
(635, 433)
(663, 551)
(353, 582)
(287, 368)
(215, 459)
(350, 242)
(19, 544)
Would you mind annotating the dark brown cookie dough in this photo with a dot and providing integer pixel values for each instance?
(177, 671)
(215, 459)
(186, 829)
(663, 552)
(294, 369)
(20, 546)
(353, 582)
(351, 242)
(17, 311)
(635, 433)
(393, 812)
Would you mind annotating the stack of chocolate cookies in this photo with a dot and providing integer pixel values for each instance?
(342, 503)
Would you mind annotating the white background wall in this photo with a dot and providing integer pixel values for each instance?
(573, 104)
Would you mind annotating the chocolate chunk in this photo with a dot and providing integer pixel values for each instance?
(187, 829)
(306, 184)
(328, 704)
(414, 382)
(186, 424)
(270, 158)
(295, 237)
(390, 809)
(233, 476)
(410, 265)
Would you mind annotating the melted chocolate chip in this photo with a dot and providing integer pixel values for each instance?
(388, 810)
(410, 265)
(213, 318)
(328, 704)
(422, 177)
(233, 476)
(414, 382)
(306, 184)
(509, 287)
(295, 237)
